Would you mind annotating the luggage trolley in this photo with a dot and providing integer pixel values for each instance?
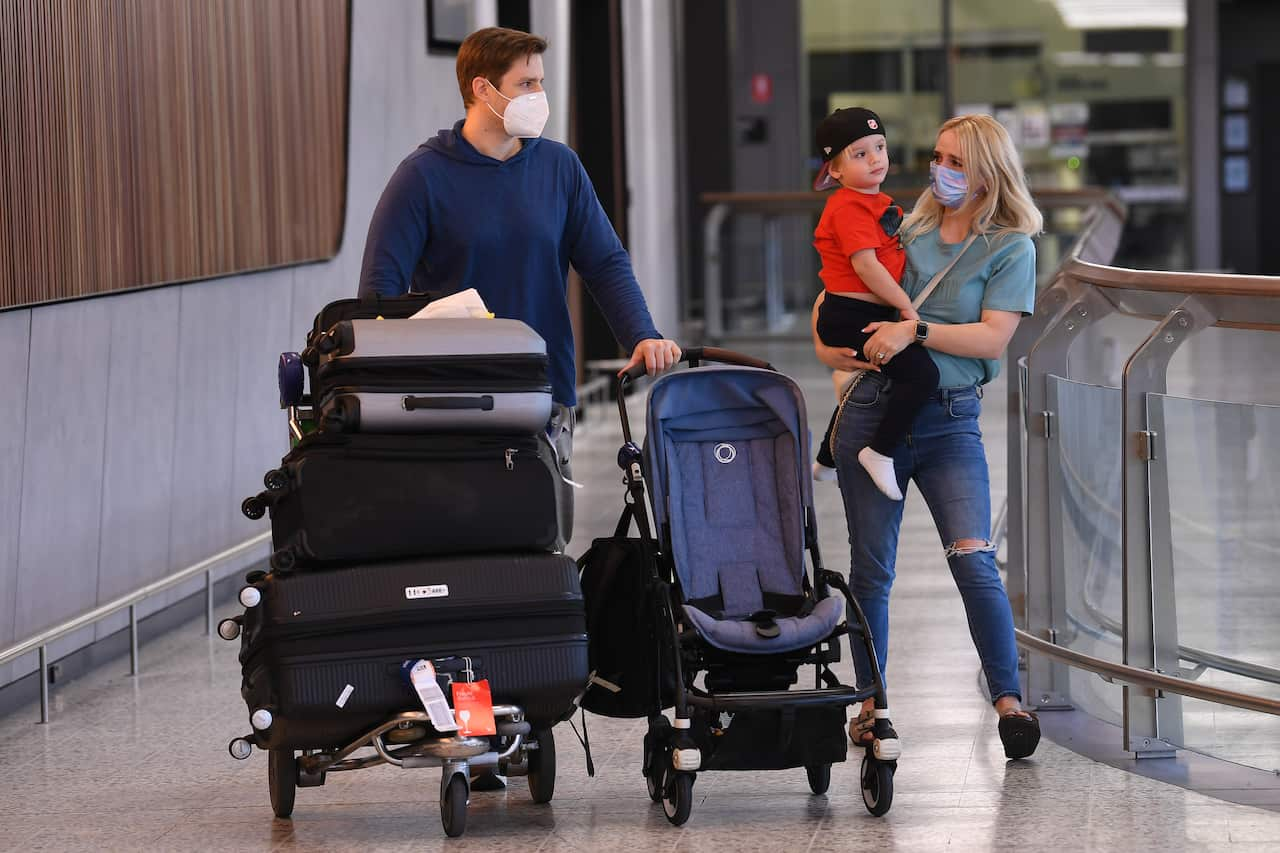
(408, 740)
(405, 738)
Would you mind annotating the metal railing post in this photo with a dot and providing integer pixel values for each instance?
(1048, 305)
(773, 297)
(44, 684)
(712, 275)
(1047, 679)
(208, 603)
(133, 639)
(1152, 721)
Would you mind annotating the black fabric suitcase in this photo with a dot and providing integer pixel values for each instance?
(342, 497)
(446, 375)
(323, 651)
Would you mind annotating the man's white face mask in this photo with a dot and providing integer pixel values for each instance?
(525, 116)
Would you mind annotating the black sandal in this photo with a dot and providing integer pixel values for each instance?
(1019, 734)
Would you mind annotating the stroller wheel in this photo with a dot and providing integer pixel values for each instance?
(453, 806)
(655, 775)
(655, 763)
(677, 798)
(819, 777)
(282, 780)
(877, 785)
(542, 767)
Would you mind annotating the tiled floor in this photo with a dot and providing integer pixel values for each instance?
(141, 764)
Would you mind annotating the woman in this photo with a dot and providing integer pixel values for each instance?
(977, 191)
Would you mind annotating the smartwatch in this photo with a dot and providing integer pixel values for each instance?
(922, 330)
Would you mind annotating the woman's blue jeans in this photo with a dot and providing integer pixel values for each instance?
(943, 454)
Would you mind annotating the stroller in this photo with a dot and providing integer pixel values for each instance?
(726, 459)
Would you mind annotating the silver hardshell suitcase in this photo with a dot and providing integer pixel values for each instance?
(446, 375)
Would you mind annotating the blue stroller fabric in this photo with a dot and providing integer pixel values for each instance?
(727, 453)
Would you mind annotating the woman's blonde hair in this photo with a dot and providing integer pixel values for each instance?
(991, 164)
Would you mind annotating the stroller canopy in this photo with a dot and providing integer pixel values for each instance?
(727, 452)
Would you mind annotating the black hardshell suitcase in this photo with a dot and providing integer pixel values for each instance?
(322, 652)
(340, 497)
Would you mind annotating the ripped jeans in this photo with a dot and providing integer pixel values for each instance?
(943, 454)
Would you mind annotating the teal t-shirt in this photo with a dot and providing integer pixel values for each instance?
(996, 272)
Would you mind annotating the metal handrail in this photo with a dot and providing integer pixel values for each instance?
(40, 642)
(1112, 671)
(809, 200)
(1157, 281)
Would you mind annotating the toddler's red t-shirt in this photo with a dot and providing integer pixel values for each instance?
(850, 223)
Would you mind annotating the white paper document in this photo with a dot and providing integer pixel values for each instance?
(465, 304)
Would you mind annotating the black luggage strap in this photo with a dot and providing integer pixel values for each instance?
(624, 523)
(586, 743)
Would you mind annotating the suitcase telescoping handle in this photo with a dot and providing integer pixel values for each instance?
(484, 403)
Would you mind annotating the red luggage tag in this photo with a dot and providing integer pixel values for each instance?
(473, 708)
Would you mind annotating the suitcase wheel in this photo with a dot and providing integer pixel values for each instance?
(283, 560)
(277, 479)
(254, 508)
(290, 377)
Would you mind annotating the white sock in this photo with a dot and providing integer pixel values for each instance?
(880, 467)
(822, 473)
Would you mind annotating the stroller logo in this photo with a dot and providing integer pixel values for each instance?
(725, 453)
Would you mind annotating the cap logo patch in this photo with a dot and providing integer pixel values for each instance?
(826, 149)
(871, 123)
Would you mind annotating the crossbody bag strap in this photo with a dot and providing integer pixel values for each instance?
(942, 273)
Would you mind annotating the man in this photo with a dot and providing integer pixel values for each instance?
(490, 205)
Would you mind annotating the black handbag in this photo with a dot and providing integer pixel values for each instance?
(618, 589)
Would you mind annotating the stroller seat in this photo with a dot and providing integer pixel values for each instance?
(743, 635)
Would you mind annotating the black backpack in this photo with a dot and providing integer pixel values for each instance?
(619, 588)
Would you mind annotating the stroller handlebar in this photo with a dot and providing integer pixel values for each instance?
(693, 355)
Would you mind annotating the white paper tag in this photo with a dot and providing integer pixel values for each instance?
(346, 694)
(439, 590)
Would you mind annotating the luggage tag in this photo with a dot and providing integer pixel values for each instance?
(473, 708)
(421, 675)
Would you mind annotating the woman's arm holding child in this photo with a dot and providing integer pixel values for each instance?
(987, 338)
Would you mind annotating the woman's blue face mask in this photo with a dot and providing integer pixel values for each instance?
(950, 186)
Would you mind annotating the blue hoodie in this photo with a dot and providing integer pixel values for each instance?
(452, 218)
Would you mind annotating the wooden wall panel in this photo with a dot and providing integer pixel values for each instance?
(153, 141)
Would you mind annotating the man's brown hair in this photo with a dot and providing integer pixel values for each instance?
(490, 53)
